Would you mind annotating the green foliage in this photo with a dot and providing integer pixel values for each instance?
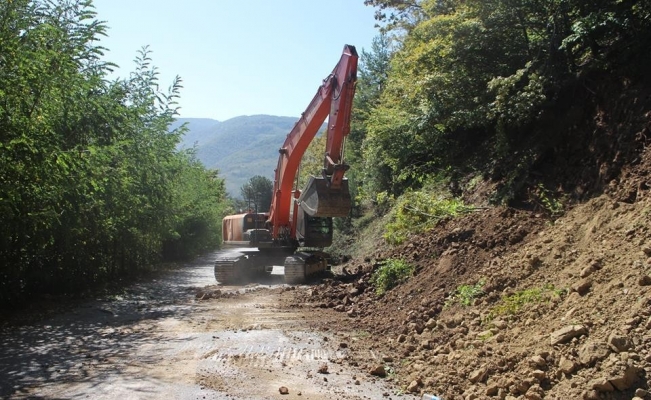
(418, 211)
(466, 294)
(391, 273)
(91, 186)
(511, 304)
(257, 193)
(396, 14)
(197, 210)
(372, 75)
(313, 160)
(518, 98)
(548, 201)
(484, 69)
(515, 175)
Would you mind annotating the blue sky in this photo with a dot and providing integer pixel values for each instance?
(241, 57)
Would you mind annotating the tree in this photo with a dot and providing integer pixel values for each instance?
(373, 73)
(257, 193)
(477, 74)
(402, 14)
(91, 184)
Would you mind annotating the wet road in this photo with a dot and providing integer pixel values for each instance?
(157, 340)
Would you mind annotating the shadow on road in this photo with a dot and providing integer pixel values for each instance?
(92, 342)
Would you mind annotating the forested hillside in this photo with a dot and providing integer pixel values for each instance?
(499, 96)
(91, 184)
(238, 148)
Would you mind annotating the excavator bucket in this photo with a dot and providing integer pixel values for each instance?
(319, 200)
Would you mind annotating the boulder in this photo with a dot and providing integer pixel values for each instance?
(567, 333)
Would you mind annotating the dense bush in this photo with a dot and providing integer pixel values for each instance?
(469, 77)
(91, 185)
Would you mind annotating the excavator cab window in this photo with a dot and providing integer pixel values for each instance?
(254, 221)
(318, 225)
(316, 231)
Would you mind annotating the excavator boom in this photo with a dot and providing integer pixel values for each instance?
(327, 196)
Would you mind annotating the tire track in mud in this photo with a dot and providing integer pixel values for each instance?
(272, 348)
(263, 356)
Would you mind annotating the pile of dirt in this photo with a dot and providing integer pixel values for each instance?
(509, 303)
(564, 309)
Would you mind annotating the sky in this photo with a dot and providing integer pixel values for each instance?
(237, 57)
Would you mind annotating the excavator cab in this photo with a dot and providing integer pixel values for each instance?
(313, 231)
(245, 230)
(319, 199)
(319, 203)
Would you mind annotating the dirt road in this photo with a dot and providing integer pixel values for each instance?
(159, 340)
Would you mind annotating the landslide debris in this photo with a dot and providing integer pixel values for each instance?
(564, 309)
(511, 303)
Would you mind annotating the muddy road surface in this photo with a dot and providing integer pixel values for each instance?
(181, 336)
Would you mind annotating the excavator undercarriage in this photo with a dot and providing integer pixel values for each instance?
(245, 265)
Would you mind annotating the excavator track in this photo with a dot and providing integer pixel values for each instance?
(237, 267)
(295, 270)
(226, 272)
(300, 266)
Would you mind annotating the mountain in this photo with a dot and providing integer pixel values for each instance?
(240, 147)
(199, 130)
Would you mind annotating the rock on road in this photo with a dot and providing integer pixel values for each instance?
(157, 340)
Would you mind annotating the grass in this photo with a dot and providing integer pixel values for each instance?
(512, 304)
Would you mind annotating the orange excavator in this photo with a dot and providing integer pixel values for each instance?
(298, 219)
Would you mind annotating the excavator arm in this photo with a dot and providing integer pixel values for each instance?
(328, 195)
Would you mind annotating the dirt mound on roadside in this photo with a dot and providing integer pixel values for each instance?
(563, 310)
(510, 304)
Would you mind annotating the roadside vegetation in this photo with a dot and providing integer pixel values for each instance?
(390, 274)
(471, 95)
(465, 295)
(510, 305)
(91, 184)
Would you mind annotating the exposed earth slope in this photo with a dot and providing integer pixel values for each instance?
(564, 310)
(515, 303)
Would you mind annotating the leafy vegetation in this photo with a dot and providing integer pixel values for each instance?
(391, 273)
(91, 186)
(466, 81)
(466, 294)
(417, 211)
(548, 201)
(460, 89)
(511, 304)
